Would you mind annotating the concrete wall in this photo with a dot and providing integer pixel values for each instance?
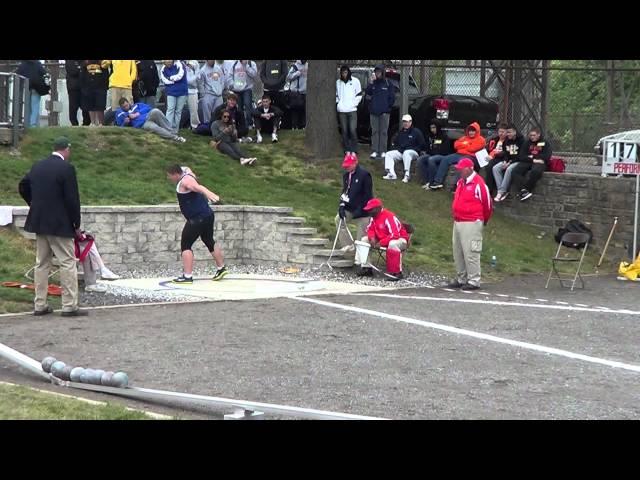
(150, 234)
(594, 200)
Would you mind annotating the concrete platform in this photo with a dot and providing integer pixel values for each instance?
(242, 287)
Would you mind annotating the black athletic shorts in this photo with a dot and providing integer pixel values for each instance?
(198, 227)
(93, 99)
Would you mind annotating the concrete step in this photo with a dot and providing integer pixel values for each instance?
(302, 231)
(327, 253)
(318, 242)
(344, 263)
(291, 220)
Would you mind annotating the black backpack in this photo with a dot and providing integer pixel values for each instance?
(574, 226)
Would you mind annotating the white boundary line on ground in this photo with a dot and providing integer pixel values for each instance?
(479, 335)
(502, 303)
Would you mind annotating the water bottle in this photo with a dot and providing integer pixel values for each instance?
(494, 261)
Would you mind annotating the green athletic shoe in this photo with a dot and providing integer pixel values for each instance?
(220, 274)
(183, 279)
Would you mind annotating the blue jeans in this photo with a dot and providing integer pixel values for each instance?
(175, 105)
(34, 116)
(443, 163)
(245, 99)
(426, 168)
(349, 135)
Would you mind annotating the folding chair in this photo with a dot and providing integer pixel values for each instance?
(567, 239)
(382, 251)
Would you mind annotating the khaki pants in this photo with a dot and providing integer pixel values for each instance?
(343, 235)
(467, 247)
(63, 249)
(117, 93)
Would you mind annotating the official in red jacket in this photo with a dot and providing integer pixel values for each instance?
(385, 230)
(472, 210)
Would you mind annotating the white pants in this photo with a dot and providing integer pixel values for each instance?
(363, 259)
(394, 155)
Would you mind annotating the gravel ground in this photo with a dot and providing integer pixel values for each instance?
(117, 295)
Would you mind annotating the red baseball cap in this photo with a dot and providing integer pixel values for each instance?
(349, 159)
(373, 203)
(464, 163)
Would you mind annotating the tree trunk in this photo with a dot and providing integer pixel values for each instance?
(321, 133)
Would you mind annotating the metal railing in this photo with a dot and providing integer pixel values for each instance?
(14, 107)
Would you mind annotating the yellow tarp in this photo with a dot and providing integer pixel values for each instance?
(630, 270)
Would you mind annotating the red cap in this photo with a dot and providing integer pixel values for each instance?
(373, 203)
(349, 159)
(464, 163)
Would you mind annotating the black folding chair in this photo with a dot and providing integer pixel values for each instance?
(569, 241)
(382, 251)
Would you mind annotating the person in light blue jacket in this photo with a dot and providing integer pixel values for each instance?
(174, 77)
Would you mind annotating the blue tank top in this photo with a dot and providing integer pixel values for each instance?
(192, 204)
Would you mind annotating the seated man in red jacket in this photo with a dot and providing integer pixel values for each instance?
(385, 230)
(472, 210)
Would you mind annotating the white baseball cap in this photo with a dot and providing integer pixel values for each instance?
(407, 118)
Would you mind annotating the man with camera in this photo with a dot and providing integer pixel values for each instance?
(357, 190)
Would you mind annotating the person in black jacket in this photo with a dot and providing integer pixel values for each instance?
(73, 69)
(51, 191)
(357, 190)
(266, 118)
(94, 83)
(273, 74)
(533, 160)
(407, 146)
(438, 143)
(145, 87)
(237, 117)
(38, 78)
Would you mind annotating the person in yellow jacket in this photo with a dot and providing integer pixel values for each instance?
(123, 74)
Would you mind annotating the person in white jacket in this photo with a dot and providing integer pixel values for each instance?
(348, 96)
(193, 68)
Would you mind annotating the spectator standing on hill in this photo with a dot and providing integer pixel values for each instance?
(348, 96)
(174, 78)
(145, 88)
(73, 69)
(211, 86)
(193, 68)
(38, 78)
(273, 74)
(241, 75)
(124, 73)
(297, 94)
(383, 96)
(94, 82)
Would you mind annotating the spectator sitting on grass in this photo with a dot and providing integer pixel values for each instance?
(141, 115)
(237, 117)
(267, 119)
(225, 139)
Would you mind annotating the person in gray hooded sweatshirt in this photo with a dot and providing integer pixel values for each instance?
(211, 84)
(193, 67)
(297, 103)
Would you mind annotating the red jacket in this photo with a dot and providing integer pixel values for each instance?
(385, 227)
(472, 200)
(468, 146)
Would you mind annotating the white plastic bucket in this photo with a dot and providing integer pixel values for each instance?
(362, 252)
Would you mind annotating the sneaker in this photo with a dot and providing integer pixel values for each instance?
(259, 139)
(436, 186)
(75, 313)
(498, 197)
(245, 161)
(246, 140)
(383, 154)
(469, 287)
(406, 177)
(426, 186)
(389, 176)
(455, 284)
(504, 196)
(393, 277)
(274, 138)
(373, 155)
(252, 160)
(106, 274)
(95, 288)
(220, 274)
(183, 279)
(181, 139)
(365, 272)
(47, 310)
(525, 195)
